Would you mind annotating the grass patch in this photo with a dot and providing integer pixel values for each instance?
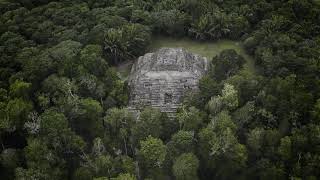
(206, 49)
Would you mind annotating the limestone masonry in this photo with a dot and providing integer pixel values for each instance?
(161, 79)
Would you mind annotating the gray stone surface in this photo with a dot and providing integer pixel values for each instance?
(162, 78)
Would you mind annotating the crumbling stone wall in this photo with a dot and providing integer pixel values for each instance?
(161, 79)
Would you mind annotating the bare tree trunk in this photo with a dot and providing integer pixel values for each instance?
(138, 170)
(125, 146)
(2, 145)
(101, 101)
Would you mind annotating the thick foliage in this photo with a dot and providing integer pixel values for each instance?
(62, 112)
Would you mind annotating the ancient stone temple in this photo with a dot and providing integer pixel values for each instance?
(162, 78)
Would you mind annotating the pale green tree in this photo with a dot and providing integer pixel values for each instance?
(150, 122)
(219, 147)
(153, 152)
(190, 118)
(228, 100)
(181, 142)
(120, 122)
(230, 96)
(151, 158)
(185, 167)
(125, 177)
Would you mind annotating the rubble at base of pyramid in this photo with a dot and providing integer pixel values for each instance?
(161, 79)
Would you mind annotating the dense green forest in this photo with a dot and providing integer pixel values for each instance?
(63, 105)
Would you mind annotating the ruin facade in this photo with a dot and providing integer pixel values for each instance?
(162, 78)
